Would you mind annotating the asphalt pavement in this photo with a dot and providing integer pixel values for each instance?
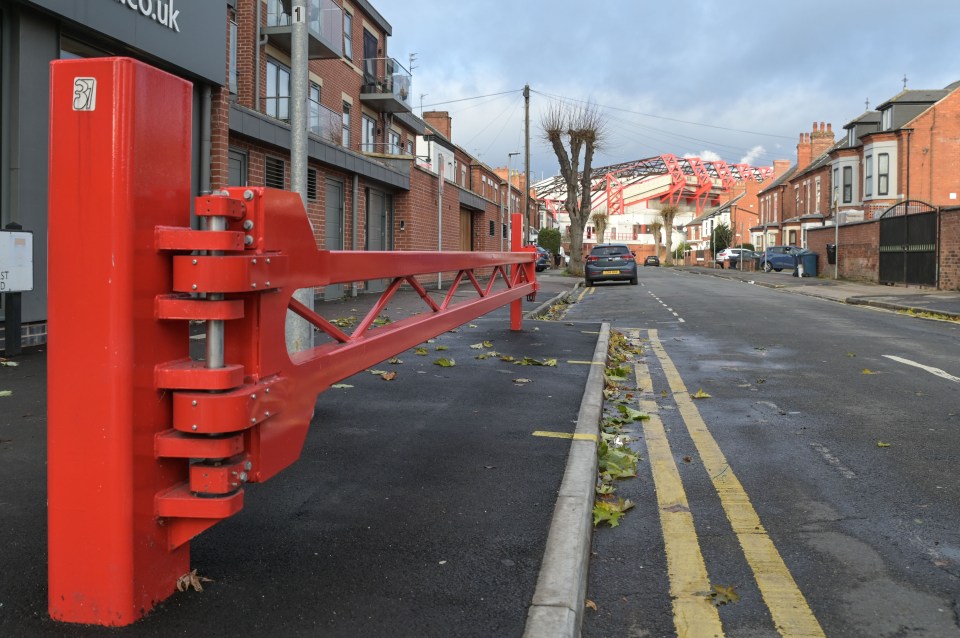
(421, 506)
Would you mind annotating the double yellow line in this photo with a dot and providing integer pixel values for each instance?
(694, 614)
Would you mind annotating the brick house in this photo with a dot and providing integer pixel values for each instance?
(771, 198)
(374, 168)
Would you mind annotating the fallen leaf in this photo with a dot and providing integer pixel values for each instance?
(882, 444)
(341, 385)
(10, 364)
(521, 381)
(507, 358)
(190, 580)
(868, 371)
(850, 354)
(723, 595)
(472, 325)
(663, 393)
(761, 381)
(700, 394)
(442, 348)
(687, 459)
(589, 603)
(443, 362)
(381, 320)
(420, 351)
(377, 372)
(345, 322)
(395, 361)
(388, 376)
(6, 393)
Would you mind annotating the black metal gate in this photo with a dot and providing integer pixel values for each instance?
(908, 244)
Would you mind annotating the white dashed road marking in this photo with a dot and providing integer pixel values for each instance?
(934, 371)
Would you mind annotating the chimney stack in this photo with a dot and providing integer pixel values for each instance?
(441, 121)
(821, 141)
(803, 150)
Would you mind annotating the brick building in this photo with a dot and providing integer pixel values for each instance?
(367, 189)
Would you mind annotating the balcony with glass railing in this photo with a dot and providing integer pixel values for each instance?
(326, 124)
(386, 86)
(324, 27)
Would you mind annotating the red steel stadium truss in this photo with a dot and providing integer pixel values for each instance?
(691, 179)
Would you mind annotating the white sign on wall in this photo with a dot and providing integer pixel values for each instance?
(16, 261)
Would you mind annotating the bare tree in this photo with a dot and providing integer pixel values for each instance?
(599, 220)
(582, 129)
(655, 229)
(667, 215)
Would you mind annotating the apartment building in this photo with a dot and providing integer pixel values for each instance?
(375, 180)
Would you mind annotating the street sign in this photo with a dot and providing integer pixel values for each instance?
(16, 261)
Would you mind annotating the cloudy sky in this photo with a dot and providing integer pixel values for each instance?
(722, 79)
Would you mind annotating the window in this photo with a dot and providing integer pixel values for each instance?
(887, 117)
(463, 175)
(348, 35)
(796, 199)
(868, 176)
(368, 135)
(369, 57)
(816, 202)
(883, 174)
(273, 170)
(278, 90)
(313, 108)
(236, 168)
(410, 147)
(232, 78)
(312, 184)
(395, 147)
(493, 228)
(275, 14)
(806, 197)
(776, 207)
(346, 125)
(836, 186)
(851, 138)
(847, 184)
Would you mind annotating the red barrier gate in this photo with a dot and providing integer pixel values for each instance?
(146, 447)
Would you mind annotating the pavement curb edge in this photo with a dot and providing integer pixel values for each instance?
(557, 607)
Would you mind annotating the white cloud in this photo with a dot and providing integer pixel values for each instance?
(705, 155)
(753, 154)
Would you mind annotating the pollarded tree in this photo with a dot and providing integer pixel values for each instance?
(667, 215)
(599, 220)
(581, 128)
(655, 227)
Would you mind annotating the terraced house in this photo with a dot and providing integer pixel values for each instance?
(375, 168)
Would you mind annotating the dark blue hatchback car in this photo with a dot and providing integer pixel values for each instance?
(610, 262)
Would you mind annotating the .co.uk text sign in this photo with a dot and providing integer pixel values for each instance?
(161, 11)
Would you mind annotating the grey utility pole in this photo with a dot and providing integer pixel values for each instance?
(299, 333)
(526, 167)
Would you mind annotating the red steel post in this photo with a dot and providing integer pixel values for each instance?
(120, 162)
(516, 239)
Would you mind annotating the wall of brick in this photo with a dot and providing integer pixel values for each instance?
(950, 249)
(858, 252)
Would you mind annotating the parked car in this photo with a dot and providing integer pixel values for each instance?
(651, 260)
(543, 259)
(724, 255)
(610, 262)
(779, 257)
(733, 261)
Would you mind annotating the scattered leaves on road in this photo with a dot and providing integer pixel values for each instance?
(590, 604)
(388, 376)
(882, 444)
(700, 394)
(395, 361)
(421, 351)
(483, 345)
(610, 512)
(8, 363)
(521, 381)
(850, 354)
(442, 348)
(6, 393)
(868, 371)
(191, 580)
(341, 386)
(723, 595)
(345, 322)
(444, 362)
(381, 320)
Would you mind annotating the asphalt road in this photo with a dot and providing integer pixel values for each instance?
(848, 456)
(420, 506)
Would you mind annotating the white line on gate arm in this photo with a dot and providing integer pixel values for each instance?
(934, 371)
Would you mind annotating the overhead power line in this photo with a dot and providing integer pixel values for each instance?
(663, 117)
(477, 97)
